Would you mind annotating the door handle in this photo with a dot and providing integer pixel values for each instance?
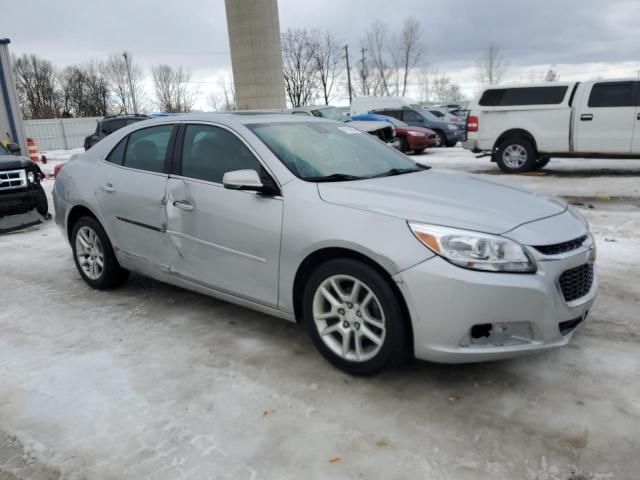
(586, 117)
(184, 205)
(108, 188)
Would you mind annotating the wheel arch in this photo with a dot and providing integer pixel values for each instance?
(318, 257)
(516, 133)
(76, 213)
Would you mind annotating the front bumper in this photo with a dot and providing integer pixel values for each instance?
(18, 210)
(446, 301)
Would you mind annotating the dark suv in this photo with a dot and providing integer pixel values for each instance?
(23, 201)
(448, 133)
(110, 124)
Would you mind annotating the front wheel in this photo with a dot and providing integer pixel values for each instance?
(94, 257)
(354, 318)
(440, 139)
(515, 155)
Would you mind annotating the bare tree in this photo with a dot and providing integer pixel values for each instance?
(327, 55)
(377, 41)
(300, 69)
(225, 98)
(126, 80)
(445, 90)
(174, 93)
(37, 87)
(551, 75)
(491, 66)
(84, 90)
(406, 52)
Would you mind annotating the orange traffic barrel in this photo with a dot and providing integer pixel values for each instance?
(33, 150)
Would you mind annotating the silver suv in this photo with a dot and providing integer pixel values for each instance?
(313, 221)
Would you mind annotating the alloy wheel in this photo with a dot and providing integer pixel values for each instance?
(89, 253)
(514, 156)
(349, 318)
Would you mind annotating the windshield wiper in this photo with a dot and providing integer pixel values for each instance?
(335, 177)
(401, 171)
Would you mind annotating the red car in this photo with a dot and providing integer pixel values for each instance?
(411, 139)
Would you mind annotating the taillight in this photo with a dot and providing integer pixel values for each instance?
(57, 168)
(472, 124)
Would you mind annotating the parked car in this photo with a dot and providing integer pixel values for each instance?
(383, 130)
(110, 124)
(313, 221)
(23, 201)
(411, 139)
(521, 127)
(447, 132)
(366, 103)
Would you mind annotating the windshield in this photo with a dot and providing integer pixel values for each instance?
(316, 150)
(331, 114)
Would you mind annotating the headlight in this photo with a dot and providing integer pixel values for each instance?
(31, 177)
(474, 250)
(452, 127)
(416, 134)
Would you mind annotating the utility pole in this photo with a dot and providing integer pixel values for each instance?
(346, 54)
(131, 92)
(363, 74)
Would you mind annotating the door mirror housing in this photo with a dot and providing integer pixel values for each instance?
(243, 180)
(13, 148)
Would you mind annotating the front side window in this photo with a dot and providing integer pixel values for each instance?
(411, 116)
(612, 94)
(209, 152)
(311, 150)
(147, 148)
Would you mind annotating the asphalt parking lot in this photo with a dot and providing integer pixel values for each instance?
(151, 381)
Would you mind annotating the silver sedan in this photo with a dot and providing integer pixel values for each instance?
(313, 221)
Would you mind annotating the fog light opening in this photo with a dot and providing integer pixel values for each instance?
(482, 330)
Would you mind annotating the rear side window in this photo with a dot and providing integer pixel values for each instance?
(117, 154)
(612, 94)
(110, 126)
(511, 97)
(147, 148)
(209, 152)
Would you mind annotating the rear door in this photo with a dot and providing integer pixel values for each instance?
(413, 118)
(131, 191)
(228, 240)
(606, 120)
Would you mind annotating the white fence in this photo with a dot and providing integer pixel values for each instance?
(60, 133)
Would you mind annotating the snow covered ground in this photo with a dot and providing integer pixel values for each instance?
(150, 381)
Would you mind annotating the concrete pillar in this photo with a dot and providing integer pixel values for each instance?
(256, 57)
(11, 126)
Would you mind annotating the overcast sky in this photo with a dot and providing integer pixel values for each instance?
(581, 38)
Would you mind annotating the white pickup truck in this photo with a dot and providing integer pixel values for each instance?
(521, 127)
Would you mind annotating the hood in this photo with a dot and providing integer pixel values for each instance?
(366, 126)
(426, 131)
(443, 197)
(13, 162)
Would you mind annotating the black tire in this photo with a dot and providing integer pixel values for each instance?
(524, 145)
(112, 275)
(441, 140)
(42, 204)
(404, 146)
(419, 151)
(394, 347)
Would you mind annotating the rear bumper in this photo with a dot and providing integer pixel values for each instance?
(454, 135)
(527, 311)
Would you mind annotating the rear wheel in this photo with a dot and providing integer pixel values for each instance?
(354, 318)
(94, 257)
(515, 155)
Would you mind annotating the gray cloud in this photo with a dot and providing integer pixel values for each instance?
(193, 32)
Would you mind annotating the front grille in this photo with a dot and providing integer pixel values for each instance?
(576, 282)
(563, 247)
(12, 179)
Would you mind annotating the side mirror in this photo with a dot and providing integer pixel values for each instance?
(243, 180)
(13, 148)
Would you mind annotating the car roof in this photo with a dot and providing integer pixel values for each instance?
(246, 117)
